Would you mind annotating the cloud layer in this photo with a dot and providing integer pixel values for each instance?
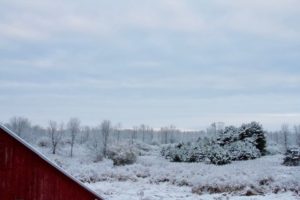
(157, 62)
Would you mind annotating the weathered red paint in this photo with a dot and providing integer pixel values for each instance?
(25, 175)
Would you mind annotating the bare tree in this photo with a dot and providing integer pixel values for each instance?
(117, 131)
(143, 129)
(275, 137)
(95, 143)
(164, 135)
(74, 128)
(212, 129)
(85, 134)
(146, 132)
(167, 134)
(19, 125)
(297, 134)
(134, 134)
(285, 133)
(55, 134)
(151, 134)
(105, 131)
(37, 132)
(172, 130)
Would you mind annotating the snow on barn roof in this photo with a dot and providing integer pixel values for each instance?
(31, 148)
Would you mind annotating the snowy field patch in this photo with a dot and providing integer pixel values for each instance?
(155, 178)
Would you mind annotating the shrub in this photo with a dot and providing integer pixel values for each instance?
(230, 135)
(179, 153)
(165, 150)
(141, 148)
(218, 155)
(124, 158)
(122, 155)
(183, 152)
(196, 154)
(243, 150)
(292, 157)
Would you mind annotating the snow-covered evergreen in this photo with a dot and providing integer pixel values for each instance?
(243, 143)
(292, 157)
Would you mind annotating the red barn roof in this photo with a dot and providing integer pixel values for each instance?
(25, 174)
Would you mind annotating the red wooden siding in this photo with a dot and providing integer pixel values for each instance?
(25, 175)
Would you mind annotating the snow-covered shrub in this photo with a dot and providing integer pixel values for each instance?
(141, 148)
(244, 143)
(124, 158)
(166, 151)
(218, 155)
(230, 135)
(122, 155)
(179, 153)
(243, 150)
(292, 157)
(196, 154)
(254, 131)
(183, 152)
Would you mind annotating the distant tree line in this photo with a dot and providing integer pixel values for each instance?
(98, 139)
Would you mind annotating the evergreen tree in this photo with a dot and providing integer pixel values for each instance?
(230, 134)
(254, 133)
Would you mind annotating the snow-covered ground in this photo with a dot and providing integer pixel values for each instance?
(154, 178)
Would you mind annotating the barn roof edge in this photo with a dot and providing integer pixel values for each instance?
(34, 150)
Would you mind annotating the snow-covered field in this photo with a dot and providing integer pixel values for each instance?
(154, 178)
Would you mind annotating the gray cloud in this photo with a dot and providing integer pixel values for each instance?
(157, 61)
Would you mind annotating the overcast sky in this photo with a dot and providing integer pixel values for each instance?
(158, 62)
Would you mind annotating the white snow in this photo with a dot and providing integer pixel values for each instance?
(154, 178)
